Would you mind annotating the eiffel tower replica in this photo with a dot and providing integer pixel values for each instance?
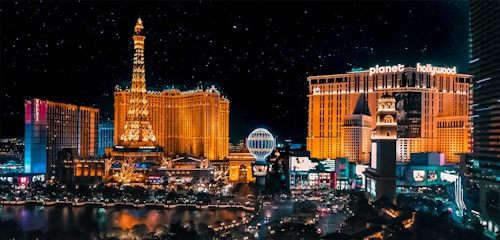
(137, 152)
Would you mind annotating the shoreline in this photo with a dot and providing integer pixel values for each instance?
(129, 204)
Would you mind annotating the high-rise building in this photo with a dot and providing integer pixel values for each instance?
(50, 126)
(425, 95)
(485, 67)
(483, 172)
(194, 122)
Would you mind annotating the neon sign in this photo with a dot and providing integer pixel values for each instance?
(22, 181)
(316, 90)
(37, 110)
(427, 68)
(259, 170)
(387, 69)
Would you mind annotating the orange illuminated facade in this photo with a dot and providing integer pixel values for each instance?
(71, 167)
(89, 168)
(240, 167)
(432, 106)
(194, 122)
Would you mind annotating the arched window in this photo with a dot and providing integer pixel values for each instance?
(388, 119)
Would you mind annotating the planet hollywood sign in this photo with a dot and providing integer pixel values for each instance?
(427, 68)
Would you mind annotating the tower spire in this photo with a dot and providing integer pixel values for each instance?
(138, 130)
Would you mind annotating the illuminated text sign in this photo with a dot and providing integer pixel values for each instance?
(387, 69)
(22, 180)
(259, 170)
(427, 68)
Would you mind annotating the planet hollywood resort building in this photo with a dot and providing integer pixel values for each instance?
(432, 106)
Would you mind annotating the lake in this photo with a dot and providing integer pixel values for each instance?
(98, 219)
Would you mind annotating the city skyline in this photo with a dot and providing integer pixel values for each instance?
(257, 53)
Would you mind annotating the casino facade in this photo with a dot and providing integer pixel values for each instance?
(432, 106)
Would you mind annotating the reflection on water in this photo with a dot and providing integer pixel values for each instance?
(102, 219)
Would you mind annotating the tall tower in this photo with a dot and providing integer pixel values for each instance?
(381, 175)
(484, 164)
(138, 130)
(136, 152)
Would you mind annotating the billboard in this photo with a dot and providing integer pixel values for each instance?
(301, 164)
(371, 186)
(409, 114)
(373, 160)
(342, 168)
(328, 165)
(304, 181)
(432, 176)
(23, 179)
(418, 175)
(259, 170)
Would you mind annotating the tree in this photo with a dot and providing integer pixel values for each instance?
(290, 230)
(179, 232)
(109, 192)
(172, 195)
(160, 193)
(5, 187)
(204, 197)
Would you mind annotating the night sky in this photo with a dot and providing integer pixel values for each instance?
(258, 53)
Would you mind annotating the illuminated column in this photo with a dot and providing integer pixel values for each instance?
(381, 175)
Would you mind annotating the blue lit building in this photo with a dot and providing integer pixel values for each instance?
(50, 126)
(483, 166)
(106, 131)
(35, 136)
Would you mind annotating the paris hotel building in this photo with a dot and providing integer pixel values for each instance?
(432, 111)
(195, 121)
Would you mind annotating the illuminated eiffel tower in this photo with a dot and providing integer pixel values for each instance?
(138, 131)
(131, 160)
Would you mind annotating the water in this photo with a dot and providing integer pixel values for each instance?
(67, 218)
